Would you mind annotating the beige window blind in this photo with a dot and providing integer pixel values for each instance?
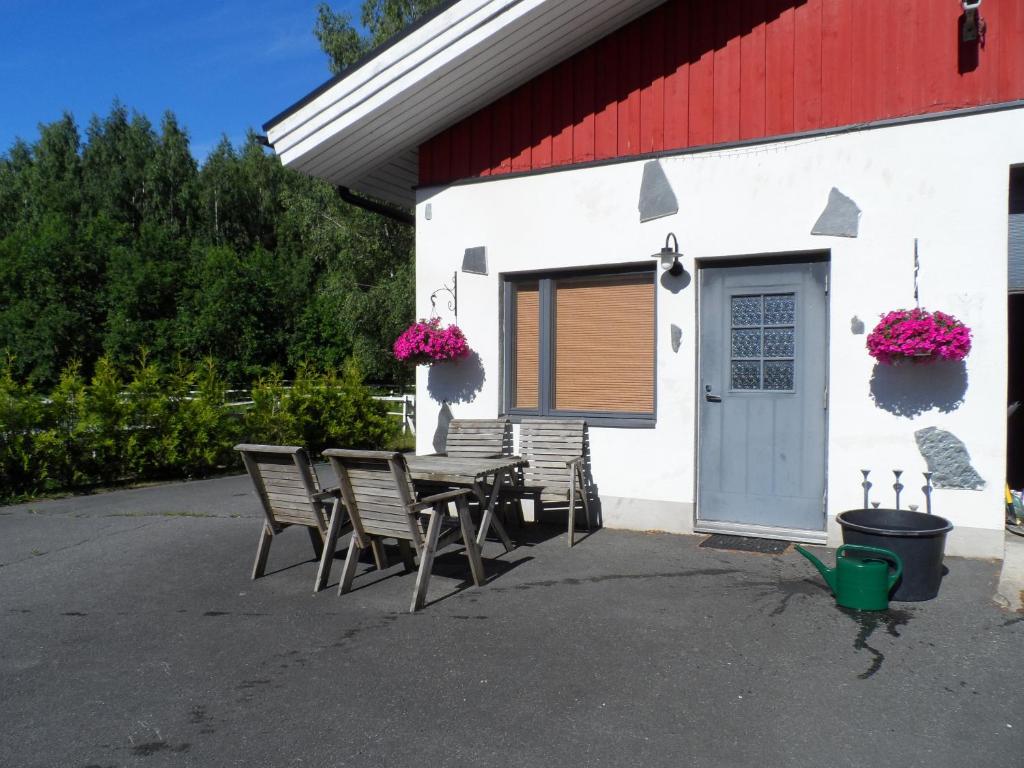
(604, 344)
(527, 346)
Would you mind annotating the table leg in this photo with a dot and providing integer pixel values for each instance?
(488, 518)
(476, 565)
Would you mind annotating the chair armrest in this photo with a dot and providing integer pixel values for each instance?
(573, 460)
(430, 501)
(327, 493)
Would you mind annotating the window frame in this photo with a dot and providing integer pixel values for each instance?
(546, 280)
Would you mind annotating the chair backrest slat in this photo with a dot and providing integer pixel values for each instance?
(547, 444)
(377, 491)
(479, 438)
(285, 482)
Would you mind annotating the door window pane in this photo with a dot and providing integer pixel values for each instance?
(778, 374)
(746, 310)
(746, 374)
(779, 309)
(763, 342)
(746, 342)
(778, 342)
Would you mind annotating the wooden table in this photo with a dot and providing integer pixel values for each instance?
(475, 474)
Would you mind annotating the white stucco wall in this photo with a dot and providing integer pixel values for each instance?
(943, 182)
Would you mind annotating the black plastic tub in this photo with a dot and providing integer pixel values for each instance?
(919, 540)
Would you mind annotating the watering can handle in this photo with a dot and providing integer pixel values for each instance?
(888, 554)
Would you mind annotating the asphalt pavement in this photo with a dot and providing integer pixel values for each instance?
(131, 635)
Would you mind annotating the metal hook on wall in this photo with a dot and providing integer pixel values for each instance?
(453, 291)
(917, 269)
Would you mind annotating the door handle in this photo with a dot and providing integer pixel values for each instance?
(710, 397)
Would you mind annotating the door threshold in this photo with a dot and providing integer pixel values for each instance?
(762, 531)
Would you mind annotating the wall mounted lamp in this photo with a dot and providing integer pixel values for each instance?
(669, 256)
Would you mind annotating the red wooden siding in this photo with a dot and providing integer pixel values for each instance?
(693, 73)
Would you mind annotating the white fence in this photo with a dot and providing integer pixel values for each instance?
(404, 405)
(406, 409)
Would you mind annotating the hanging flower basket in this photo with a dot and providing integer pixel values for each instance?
(920, 336)
(426, 342)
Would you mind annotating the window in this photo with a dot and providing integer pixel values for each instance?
(581, 345)
(1017, 229)
(762, 344)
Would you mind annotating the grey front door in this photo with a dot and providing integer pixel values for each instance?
(762, 395)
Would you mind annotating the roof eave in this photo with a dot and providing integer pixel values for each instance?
(363, 129)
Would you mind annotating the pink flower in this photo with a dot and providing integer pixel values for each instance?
(427, 342)
(919, 335)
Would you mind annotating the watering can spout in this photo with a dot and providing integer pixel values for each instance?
(828, 574)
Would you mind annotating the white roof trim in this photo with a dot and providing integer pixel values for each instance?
(364, 130)
(368, 80)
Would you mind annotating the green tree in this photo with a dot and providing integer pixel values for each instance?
(344, 44)
(121, 241)
(237, 309)
(55, 448)
(50, 276)
(361, 293)
(15, 198)
(143, 281)
(239, 195)
(318, 410)
(114, 164)
(54, 177)
(104, 426)
(22, 468)
(204, 430)
(171, 174)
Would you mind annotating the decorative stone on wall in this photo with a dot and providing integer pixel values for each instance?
(475, 260)
(948, 459)
(656, 196)
(677, 337)
(841, 217)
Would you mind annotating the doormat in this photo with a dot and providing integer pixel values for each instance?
(745, 544)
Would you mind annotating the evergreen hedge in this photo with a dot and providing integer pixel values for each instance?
(151, 423)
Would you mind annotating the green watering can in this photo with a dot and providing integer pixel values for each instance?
(861, 583)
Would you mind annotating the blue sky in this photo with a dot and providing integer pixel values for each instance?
(222, 66)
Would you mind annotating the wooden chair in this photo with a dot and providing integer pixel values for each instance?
(554, 449)
(378, 494)
(479, 438)
(290, 493)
